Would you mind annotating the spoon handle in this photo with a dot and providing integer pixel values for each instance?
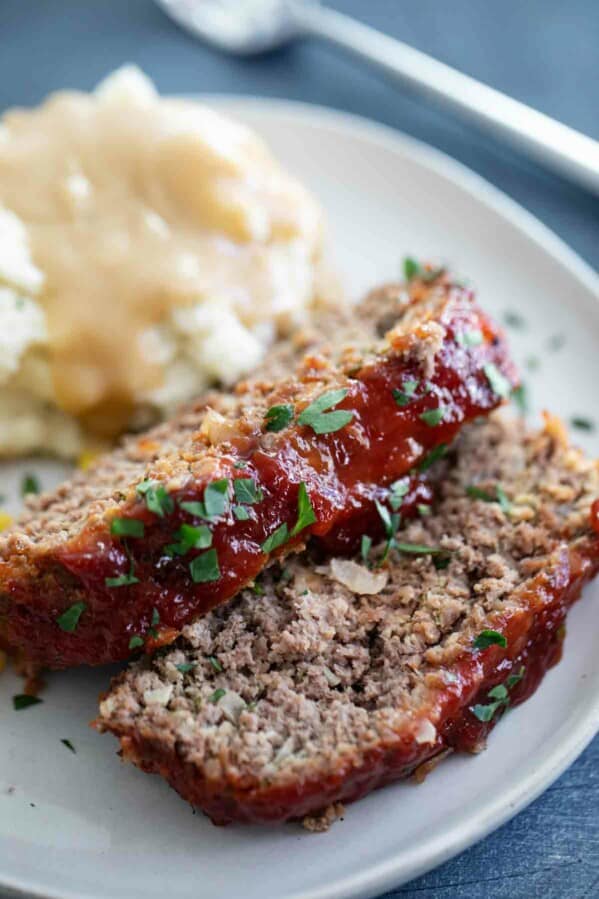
(551, 143)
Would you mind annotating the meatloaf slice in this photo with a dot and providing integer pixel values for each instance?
(342, 678)
(131, 553)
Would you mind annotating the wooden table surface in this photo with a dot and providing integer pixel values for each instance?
(545, 52)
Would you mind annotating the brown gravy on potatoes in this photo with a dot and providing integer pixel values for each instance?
(135, 206)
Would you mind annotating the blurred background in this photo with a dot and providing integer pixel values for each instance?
(543, 52)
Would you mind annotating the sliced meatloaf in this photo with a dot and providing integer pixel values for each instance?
(348, 675)
(190, 513)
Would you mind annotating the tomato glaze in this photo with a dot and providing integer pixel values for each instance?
(534, 633)
(343, 473)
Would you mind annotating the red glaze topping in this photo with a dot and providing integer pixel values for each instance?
(534, 635)
(343, 472)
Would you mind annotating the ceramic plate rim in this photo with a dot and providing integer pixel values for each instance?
(463, 833)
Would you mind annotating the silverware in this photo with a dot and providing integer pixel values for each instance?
(247, 27)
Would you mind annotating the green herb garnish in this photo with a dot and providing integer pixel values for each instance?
(215, 498)
(423, 509)
(69, 745)
(475, 492)
(24, 700)
(240, 464)
(316, 417)
(190, 537)
(204, 568)
(411, 268)
(127, 527)
(241, 513)
(485, 713)
(218, 694)
(405, 394)
(397, 492)
(514, 320)
(520, 397)
(365, 547)
(502, 499)
(122, 580)
(247, 491)
(215, 664)
(441, 562)
(69, 619)
(419, 549)
(195, 508)
(435, 454)
(154, 622)
(433, 417)
(305, 512)
(135, 642)
(583, 424)
(514, 679)
(156, 498)
(489, 638)
(278, 417)
(30, 484)
(276, 539)
(184, 667)
(499, 383)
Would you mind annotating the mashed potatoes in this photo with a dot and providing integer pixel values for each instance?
(148, 247)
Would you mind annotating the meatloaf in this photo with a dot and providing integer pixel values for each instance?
(190, 513)
(347, 675)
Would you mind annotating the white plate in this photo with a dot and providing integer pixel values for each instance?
(86, 826)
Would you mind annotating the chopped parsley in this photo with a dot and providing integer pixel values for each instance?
(240, 464)
(247, 491)
(305, 512)
(24, 700)
(514, 679)
(419, 549)
(241, 513)
(365, 547)
(127, 527)
(197, 509)
(475, 492)
(411, 268)
(500, 696)
(514, 320)
(435, 454)
(499, 383)
(215, 664)
(122, 580)
(489, 638)
(216, 500)
(397, 492)
(520, 397)
(404, 395)
(136, 641)
(154, 622)
(499, 496)
(69, 619)
(423, 509)
(441, 562)
(69, 745)
(190, 537)
(433, 417)
(218, 694)
(503, 500)
(470, 338)
(276, 539)
(204, 568)
(278, 417)
(156, 498)
(390, 523)
(583, 424)
(184, 667)
(30, 484)
(316, 417)
(556, 342)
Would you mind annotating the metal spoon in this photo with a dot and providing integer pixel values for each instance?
(247, 27)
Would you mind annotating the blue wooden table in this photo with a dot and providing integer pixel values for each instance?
(545, 52)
